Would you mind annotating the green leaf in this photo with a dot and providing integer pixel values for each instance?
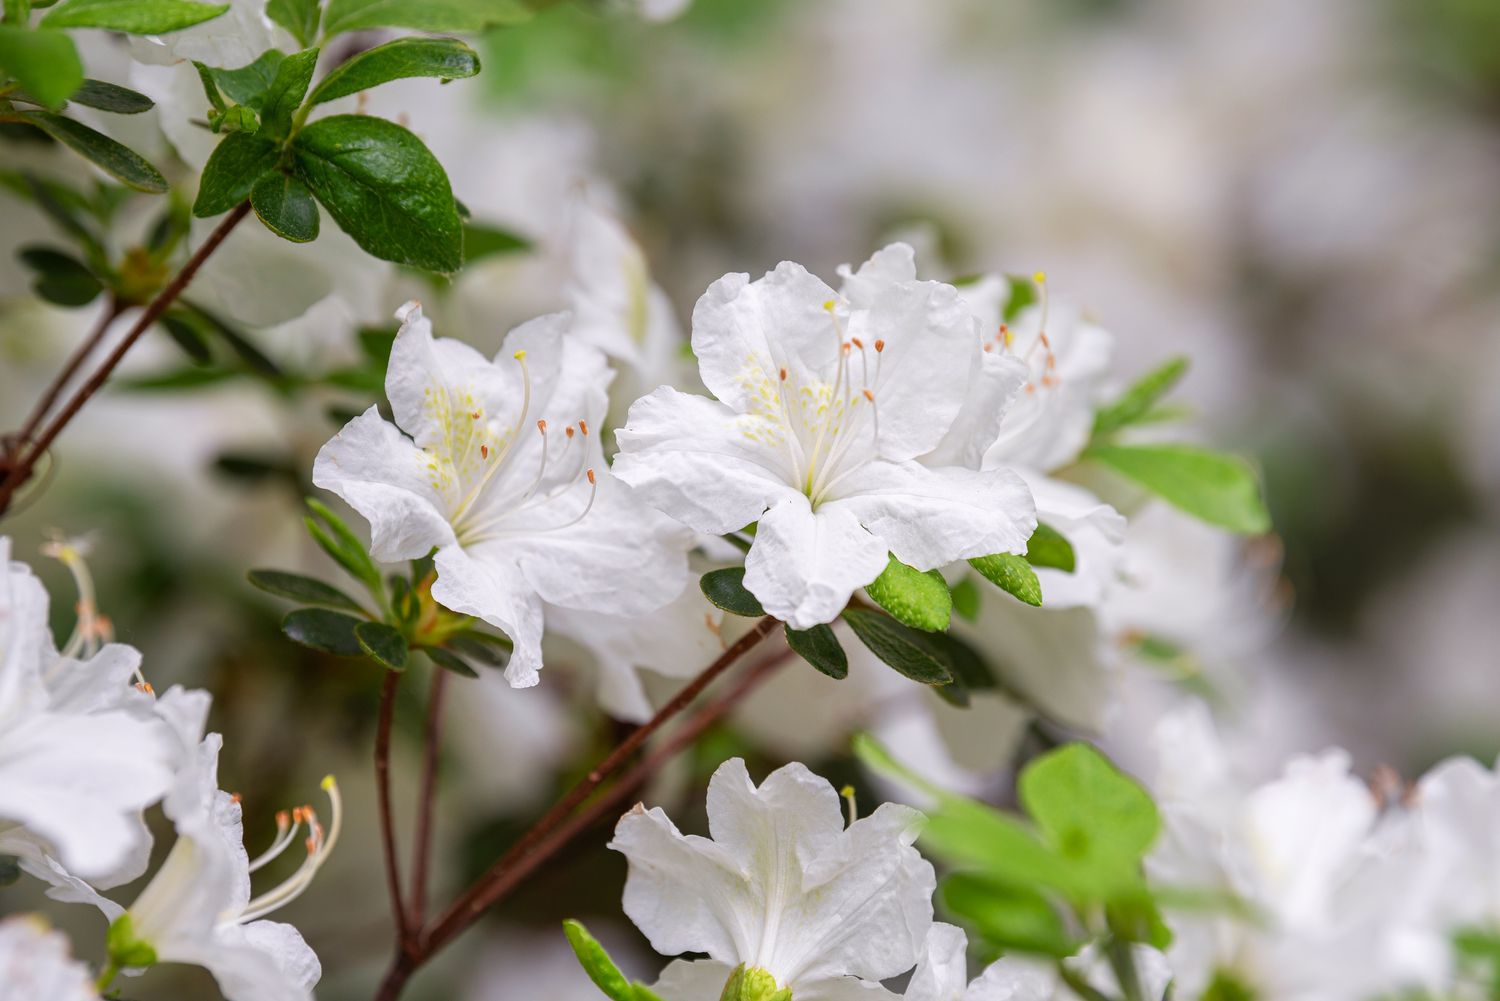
(284, 96)
(726, 589)
(10, 870)
(61, 279)
(820, 648)
(966, 599)
(285, 205)
(383, 188)
(247, 84)
(1088, 810)
(45, 63)
(1225, 986)
(450, 661)
(901, 647)
(383, 643)
(300, 17)
(339, 542)
(321, 629)
(1050, 548)
(120, 162)
(136, 17)
(482, 241)
(919, 599)
(125, 949)
(307, 590)
(233, 168)
(1217, 488)
(254, 359)
(969, 669)
(423, 15)
(1137, 402)
(1011, 574)
(1022, 294)
(1005, 915)
(447, 58)
(601, 969)
(112, 98)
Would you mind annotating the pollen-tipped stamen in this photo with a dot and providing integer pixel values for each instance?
(319, 844)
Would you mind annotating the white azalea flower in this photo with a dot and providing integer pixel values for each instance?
(504, 475)
(782, 887)
(825, 404)
(36, 962)
(77, 766)
(942, 975)
(234, 39)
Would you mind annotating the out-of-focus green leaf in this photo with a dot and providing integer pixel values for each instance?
(1211, 486)
(45, 63)
(1050, 548)
(307, 590)
(423, 15)
(1006, 916)
(446, 58)
(1137, 402)
(120, 162)
(136, 17)
(61, 279)
(450, 661)
(300, 17)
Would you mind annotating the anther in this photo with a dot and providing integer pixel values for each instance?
(541, 426)
(880, 345)
(857, 343)
(477, 414)
(783, 375)
(591, 477)
(235, 797)
(869, 396)
(484, 451)
(583, 426)
(520, 355)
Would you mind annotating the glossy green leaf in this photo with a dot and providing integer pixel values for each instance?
(1011, 574)
(285, 205)
(61, 278)
(1087, 809)
(1006, 916)
(322, 629)
(340, 542)
(231, 172)
(120, 162)
(136, 17)
(450, 661)
(1050, 548)
(423, 15)
(1137, 402)
(300, 17)
(45, 63)
(726, 589)
(246, 84)
(384, 188)
(112, 98)
(284, 96)
(899, 646)
(307, 590)
(482, 241)
(446, 58)
(1217, 488)
(383, 643)
(820, 647)
(919, 599)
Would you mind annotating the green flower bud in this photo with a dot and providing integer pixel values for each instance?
(751, 983)
(236, 118)
(125, 950)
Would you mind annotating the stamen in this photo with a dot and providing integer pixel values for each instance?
(583, 426)
(286, 833)
(318, 848)
(848, 794)
(484, 451)
(569, 432)
(541, 468)
(510, 442)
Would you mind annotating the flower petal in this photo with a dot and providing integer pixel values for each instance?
(494, 590)
(388, 480)
(689, 457)
(931, 517)
(693, 980)
(805, 564)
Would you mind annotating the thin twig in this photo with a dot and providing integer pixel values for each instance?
(75, 361)
(383, 791)
(21, 469)
(422, 853)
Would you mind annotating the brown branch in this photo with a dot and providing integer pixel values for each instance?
(20, 471)
(75, 361)
(422, 853)
(383, 791)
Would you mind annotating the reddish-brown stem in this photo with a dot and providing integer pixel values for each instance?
(31, 453)
(388, 688)
(75, 361)
(422, 853)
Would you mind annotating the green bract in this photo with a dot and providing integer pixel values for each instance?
(751, 983)
(601, 969)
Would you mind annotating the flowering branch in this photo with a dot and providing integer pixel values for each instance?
(422, 854)
(18, 470)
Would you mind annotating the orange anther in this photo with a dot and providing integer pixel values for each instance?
(541, 426)
(583, 426)
(880, 345)
(484, 451)
(869, 396)
(857, 343)
(591, 476)
(234, 797)
(477, 414)
(569, 430)
(783, 375)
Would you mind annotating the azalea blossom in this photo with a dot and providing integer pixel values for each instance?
(943, 975)
(825, 403)
(497, 465)
(36, 962)
(782, 887)
(78, 762)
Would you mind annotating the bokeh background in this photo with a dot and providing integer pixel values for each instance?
(1304, 198)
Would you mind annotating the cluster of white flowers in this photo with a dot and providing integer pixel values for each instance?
(86, 747)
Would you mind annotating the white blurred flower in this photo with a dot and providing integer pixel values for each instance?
(504, 477)
(232, 40)
(36, 962)
(782, 887)
(825, 404)
(76, 766)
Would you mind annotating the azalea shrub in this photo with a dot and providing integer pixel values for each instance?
(927, 530)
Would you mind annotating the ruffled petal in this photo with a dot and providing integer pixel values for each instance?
(494, 590)
(805, 564)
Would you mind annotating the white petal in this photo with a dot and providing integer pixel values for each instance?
(992, 388)
(689, 457)
(843, 989)
(388, 480)
(744, 332)
(943, 973)
(1016, 979)
(1094, 529)
(36, 963)
(433, 383)
(261, 961)
(805, 564)
(931, 517)
(693, 980)
(800, 808)
(896, 262)
(495, 591)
